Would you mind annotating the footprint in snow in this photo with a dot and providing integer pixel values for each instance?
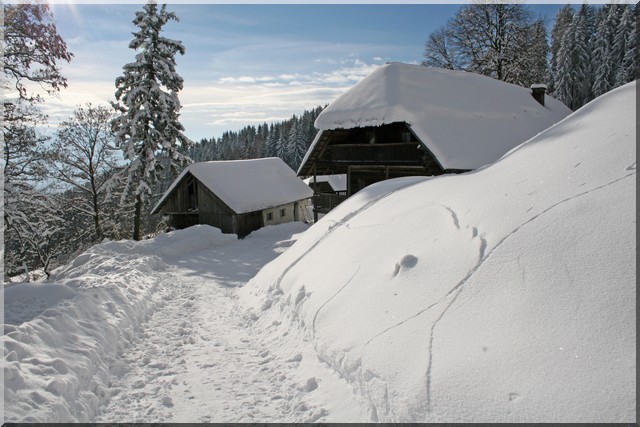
(310, 385)
(513, 396)
(407, 261)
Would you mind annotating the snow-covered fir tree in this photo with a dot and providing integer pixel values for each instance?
(591, 54)
(603, 50)
(297, 143)
(624, 48)
(572, 64)
(294, 135)
(148, 106)
(282, 144)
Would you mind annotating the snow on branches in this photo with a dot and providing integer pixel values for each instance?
(147, 127)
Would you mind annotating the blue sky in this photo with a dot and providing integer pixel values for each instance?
(252, 63)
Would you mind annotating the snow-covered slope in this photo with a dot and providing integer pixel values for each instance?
(501, 295)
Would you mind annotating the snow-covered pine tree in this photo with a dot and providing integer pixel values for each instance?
(585, 28)
(624, 48)
(573, 64)
(605, 69)
(282, 143)
(147, 102)
(297, 143)
(563, 20)
(270, 148)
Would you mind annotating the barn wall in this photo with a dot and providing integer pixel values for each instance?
(179, 200)
(248, 222)
(181, 221)
(214, 212)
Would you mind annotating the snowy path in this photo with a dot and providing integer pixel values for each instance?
(196, 360)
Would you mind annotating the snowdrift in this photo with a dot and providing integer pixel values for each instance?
(501, 295)
(64, 339)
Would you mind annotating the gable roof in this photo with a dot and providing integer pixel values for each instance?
(246, 185)
(466, 120)
(337, 182)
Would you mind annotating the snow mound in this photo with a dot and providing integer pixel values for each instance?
(64, 340)
(25, 301)
(501, 295)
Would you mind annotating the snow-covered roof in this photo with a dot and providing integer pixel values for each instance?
(337, 182)
(466, 120)
(246, 185)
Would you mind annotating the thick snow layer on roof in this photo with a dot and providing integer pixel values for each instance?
(465, 119)
(247, 185)
(337, 182)
(505, 294)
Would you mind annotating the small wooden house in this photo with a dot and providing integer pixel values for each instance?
(237, 197)
(407, 120)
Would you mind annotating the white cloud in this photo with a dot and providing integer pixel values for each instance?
(212, 106)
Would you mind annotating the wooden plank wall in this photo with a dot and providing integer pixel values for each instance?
(213, 211)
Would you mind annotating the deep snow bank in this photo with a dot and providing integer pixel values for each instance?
(505, 294)
(63, 339)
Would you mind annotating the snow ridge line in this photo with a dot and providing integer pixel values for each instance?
(483, 246)
(313, 325)
(483, 260)
(337, 225)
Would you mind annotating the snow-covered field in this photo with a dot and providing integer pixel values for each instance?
(502, 295)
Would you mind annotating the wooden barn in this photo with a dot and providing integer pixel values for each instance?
(237, 197)
(408, 120)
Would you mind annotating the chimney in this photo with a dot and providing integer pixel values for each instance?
(538, 90)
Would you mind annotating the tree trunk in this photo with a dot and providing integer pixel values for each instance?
(136, 217)
(96, 208)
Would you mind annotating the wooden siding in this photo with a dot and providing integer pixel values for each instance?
(191, 203)
(392, 145)
(182, 200)
(214, 211)
(248, 222)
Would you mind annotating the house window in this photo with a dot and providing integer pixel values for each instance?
(269, 216)
(283, 213)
